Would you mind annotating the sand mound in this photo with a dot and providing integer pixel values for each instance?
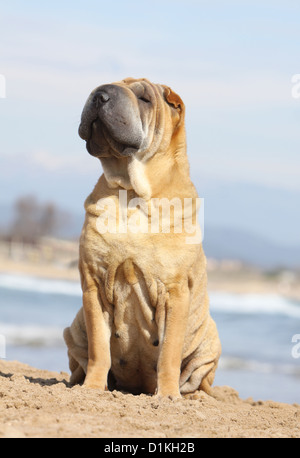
(37, 403)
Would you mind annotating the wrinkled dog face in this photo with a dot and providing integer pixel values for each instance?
(131, 117)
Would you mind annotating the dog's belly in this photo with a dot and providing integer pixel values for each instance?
(134, 338)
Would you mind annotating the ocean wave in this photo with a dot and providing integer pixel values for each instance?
(40, 285)
(31, 335)
(263, 367)
(219, 301)
(253, 304)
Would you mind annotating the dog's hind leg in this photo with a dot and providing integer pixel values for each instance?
(204, 382)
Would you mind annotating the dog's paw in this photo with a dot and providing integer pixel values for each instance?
(96, 377)
(167, 394)
(95, 386)
(196, 395)
(95, 383)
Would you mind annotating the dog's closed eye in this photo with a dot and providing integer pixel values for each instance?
(144, 99)
(140, 92)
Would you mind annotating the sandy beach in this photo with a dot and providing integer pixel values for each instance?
(39, 404)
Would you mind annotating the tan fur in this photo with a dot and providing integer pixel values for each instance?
(145, 316)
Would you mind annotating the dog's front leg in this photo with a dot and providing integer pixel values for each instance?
(169, 361)
(98, 333)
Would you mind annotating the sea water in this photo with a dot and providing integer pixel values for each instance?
(256, 332)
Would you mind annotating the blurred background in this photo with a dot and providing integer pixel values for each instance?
(232, 63)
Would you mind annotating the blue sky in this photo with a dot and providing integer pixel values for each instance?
(231, 62)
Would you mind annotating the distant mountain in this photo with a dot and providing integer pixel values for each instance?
(271, 213)
(226, 243)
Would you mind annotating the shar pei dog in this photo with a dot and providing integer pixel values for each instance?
(145, 325)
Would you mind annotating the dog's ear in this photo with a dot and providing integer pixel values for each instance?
(173, 99)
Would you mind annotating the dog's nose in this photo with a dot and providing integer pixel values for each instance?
(100, 97)
(113, 106)
(107, 93)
